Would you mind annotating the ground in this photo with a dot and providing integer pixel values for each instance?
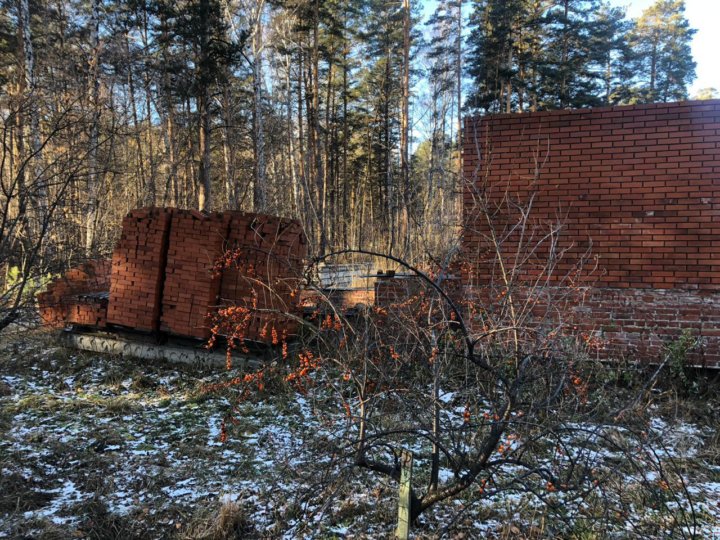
(104, 447)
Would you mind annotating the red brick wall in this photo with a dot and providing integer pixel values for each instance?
(637, 187)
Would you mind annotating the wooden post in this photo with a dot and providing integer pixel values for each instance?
(404, 511)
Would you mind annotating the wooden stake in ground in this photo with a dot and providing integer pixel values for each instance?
(403, 527)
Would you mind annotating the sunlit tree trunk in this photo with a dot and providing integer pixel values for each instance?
(29, 100)
(140, 172)
(259, 181)
(228, 153)
(327, 194)
(151, 185)
(404, 220)
(172, 187)
(391, 205)
(291, 138)
(314, 126)
(92, 212)
(204, 187)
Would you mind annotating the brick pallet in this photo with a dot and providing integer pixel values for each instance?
(138, 269)
(70, 299)
(191, 286)
(170, 273)
(89, 310)
(264, 271)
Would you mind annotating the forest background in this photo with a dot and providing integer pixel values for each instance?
(343, 114)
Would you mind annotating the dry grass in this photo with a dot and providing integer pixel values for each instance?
(229, 522)
(137, 443)
(19, 494)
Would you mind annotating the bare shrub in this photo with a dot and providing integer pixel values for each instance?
(489, 386)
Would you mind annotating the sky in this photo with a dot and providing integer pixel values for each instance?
(704, 16)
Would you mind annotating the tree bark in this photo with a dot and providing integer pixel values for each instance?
(458, 89)
(151, 186)
(172, 188)
(203, 109)
(141, 177)
(391, 207)
(404, 220)
(259, 183)
(91, 214)
(228, 153)
(204, 193)
(347, 204)
(315, 125)
(27, 93)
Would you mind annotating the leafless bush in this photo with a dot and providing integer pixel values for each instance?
(37, 188)
(489, 386)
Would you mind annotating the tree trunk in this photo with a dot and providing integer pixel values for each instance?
(91, 214)
(204, 194)
(259, 187)
(141, 178)
(302, 161)
(458, 89)
(564, 60)
(315, 125)
(151, 186)
(291, 138)
(18, 156)
(328, 169)
(190, 181)
(27, 93)
(404, 220)
(391, 207)
(347, 204)
(172, 189)
(228, 154)
(653, 70)
(171, 185)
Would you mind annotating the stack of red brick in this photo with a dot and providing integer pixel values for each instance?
(263, 269)
(77, 297)
(172, 269)
(138, 268)
(192, 286)
(195, 273)
(392, 290)
(411, 293)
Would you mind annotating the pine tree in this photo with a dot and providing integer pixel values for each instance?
(435, 170)
(380, 92)
(532, 54)
(493, 46)
(568, 80)
(7, 47)
(662, 59)
(444, 71)
(198, 31)
(610, 54)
